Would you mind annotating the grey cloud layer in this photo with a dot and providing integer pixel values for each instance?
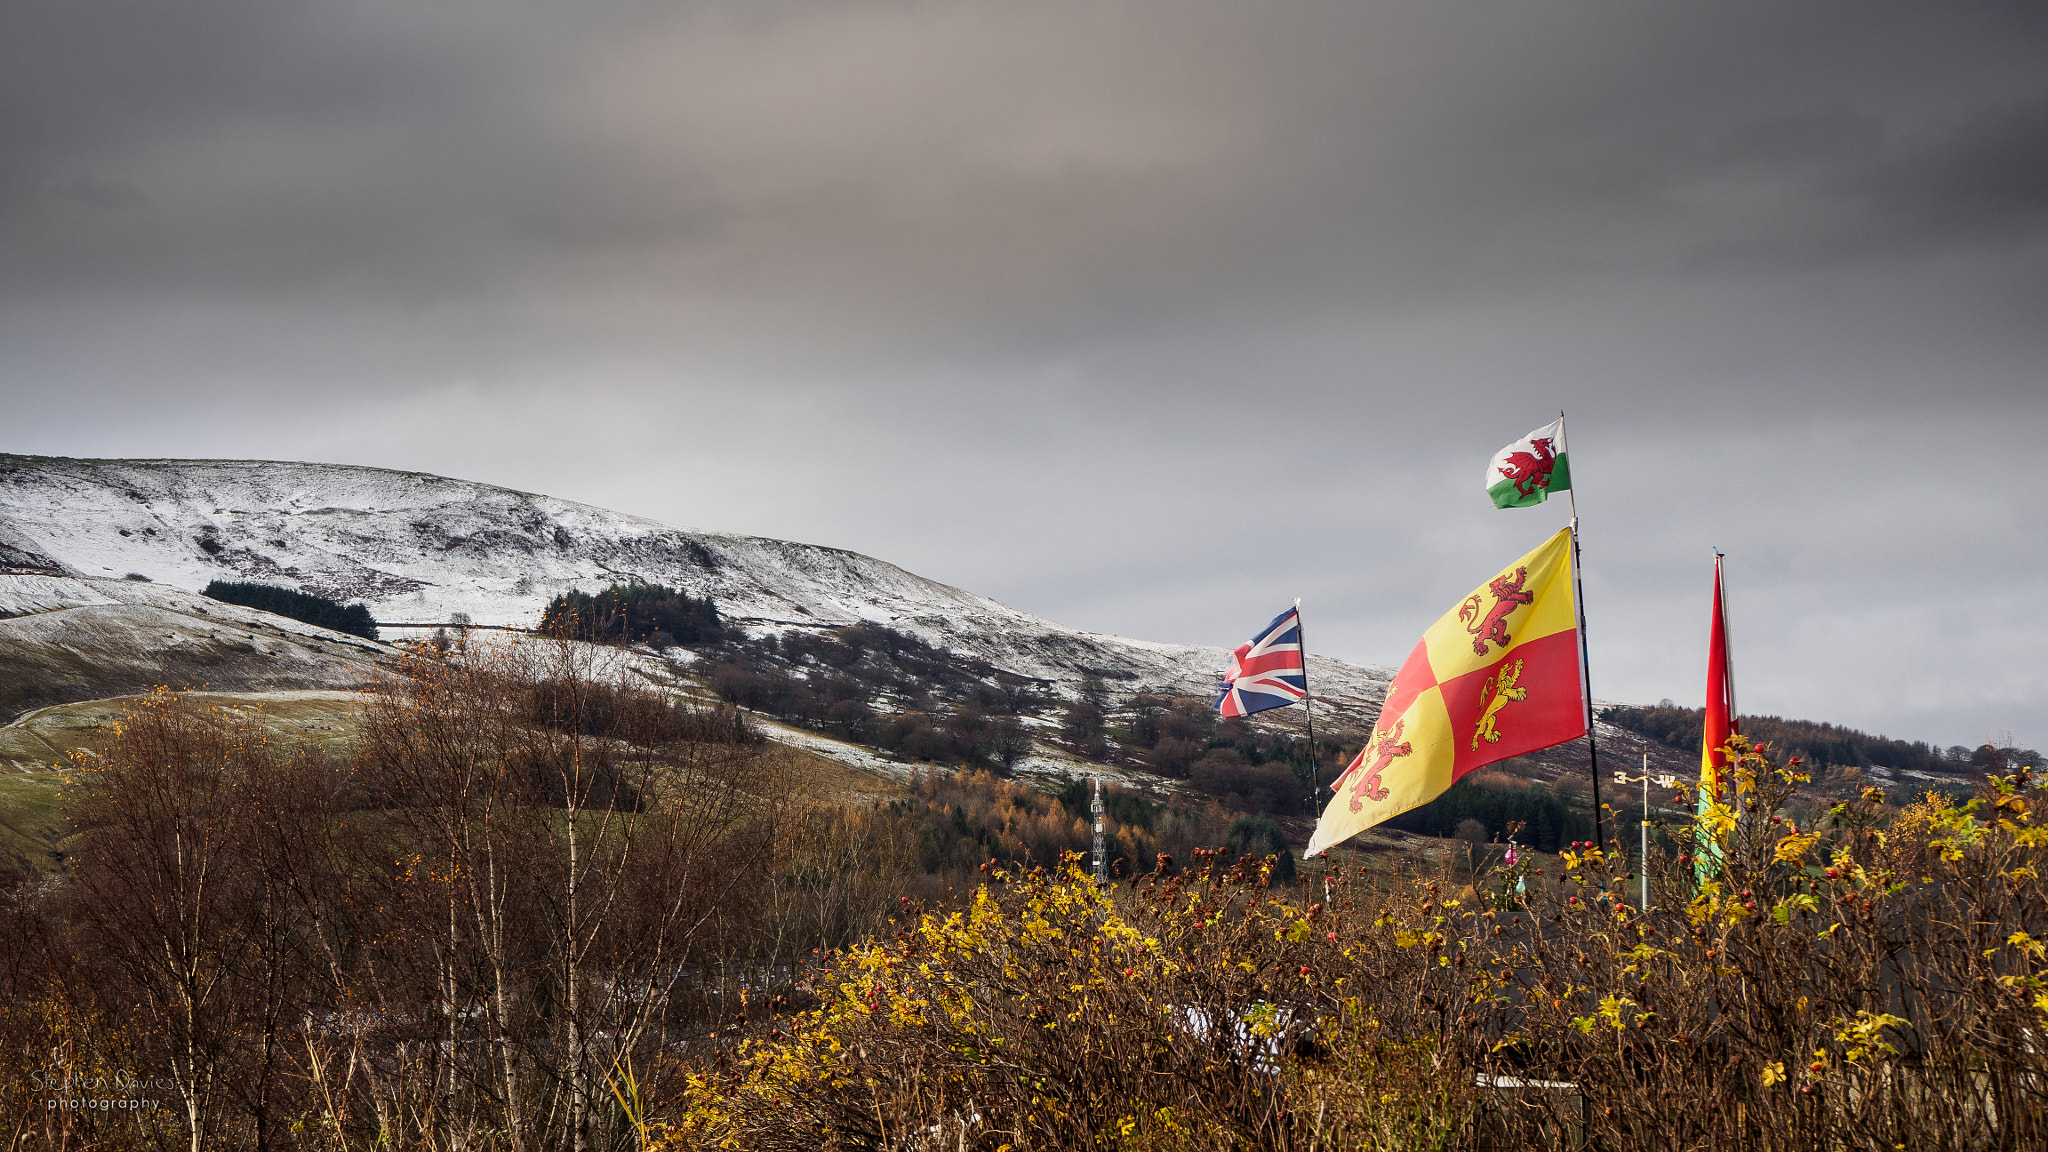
(1082, 305)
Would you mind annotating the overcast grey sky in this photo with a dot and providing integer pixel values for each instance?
(1146, 317)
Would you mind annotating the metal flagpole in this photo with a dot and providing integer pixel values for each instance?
(1315, 768)
(1585, 660)
(1643, 865)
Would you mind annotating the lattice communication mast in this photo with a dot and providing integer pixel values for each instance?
(1101, 850)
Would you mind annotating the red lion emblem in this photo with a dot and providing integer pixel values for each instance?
(1531, 473)
(1383, 750)
(1507, 596)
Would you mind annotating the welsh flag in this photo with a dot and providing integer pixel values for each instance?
(1497, 676)
(1529, 470)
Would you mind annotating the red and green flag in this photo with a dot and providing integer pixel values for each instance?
(1527, 471)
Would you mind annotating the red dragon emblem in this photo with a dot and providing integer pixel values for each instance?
(1493, 625)
(1382, 752)
(1530, 471)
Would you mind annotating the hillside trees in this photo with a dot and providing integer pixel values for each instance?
(531, 878)
(166, 899)
(831, 877)
(353, 619)
(875, 686)
(447, 939)
(634, 613)
(1170, 734)
(958, 822)
(206, 900)
(562, 876)
(1258, 838)
(1820, 744)
(1546, 822)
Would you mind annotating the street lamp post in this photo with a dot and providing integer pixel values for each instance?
(1664, 780)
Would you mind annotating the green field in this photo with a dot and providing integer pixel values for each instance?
(35, 749)
(32, 824)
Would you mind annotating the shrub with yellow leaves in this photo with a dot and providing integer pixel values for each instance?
(1812, 990)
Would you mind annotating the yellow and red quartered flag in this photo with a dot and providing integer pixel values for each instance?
(1497, 676)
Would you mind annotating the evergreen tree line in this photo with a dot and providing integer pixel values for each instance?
(1818, 744)
(634, 614)
(354, 619)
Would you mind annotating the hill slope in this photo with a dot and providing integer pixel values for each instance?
(418, 549)
(64, 639)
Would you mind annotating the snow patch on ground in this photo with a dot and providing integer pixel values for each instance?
(66, 639)
(24, 596)
(851, 755)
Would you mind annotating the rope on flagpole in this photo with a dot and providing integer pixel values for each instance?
(1315, 767)
(1585, 655)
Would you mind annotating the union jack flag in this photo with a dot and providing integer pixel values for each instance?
(1267, 672)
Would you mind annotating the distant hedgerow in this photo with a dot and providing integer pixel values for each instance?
(354, 619)
(633, 613)
(1821, 744)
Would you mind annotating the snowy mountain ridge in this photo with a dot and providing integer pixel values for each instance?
(419, 549)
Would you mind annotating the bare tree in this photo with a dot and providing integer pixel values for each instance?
(570, 849)
(1471, 838)
(159, 893)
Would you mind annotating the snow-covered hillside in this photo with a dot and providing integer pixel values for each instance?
(66, 638)
(420, 549)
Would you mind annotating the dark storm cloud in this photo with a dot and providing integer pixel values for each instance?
(1153, 286)
(1987, 179)
(1028, 174)
(1832, 186)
